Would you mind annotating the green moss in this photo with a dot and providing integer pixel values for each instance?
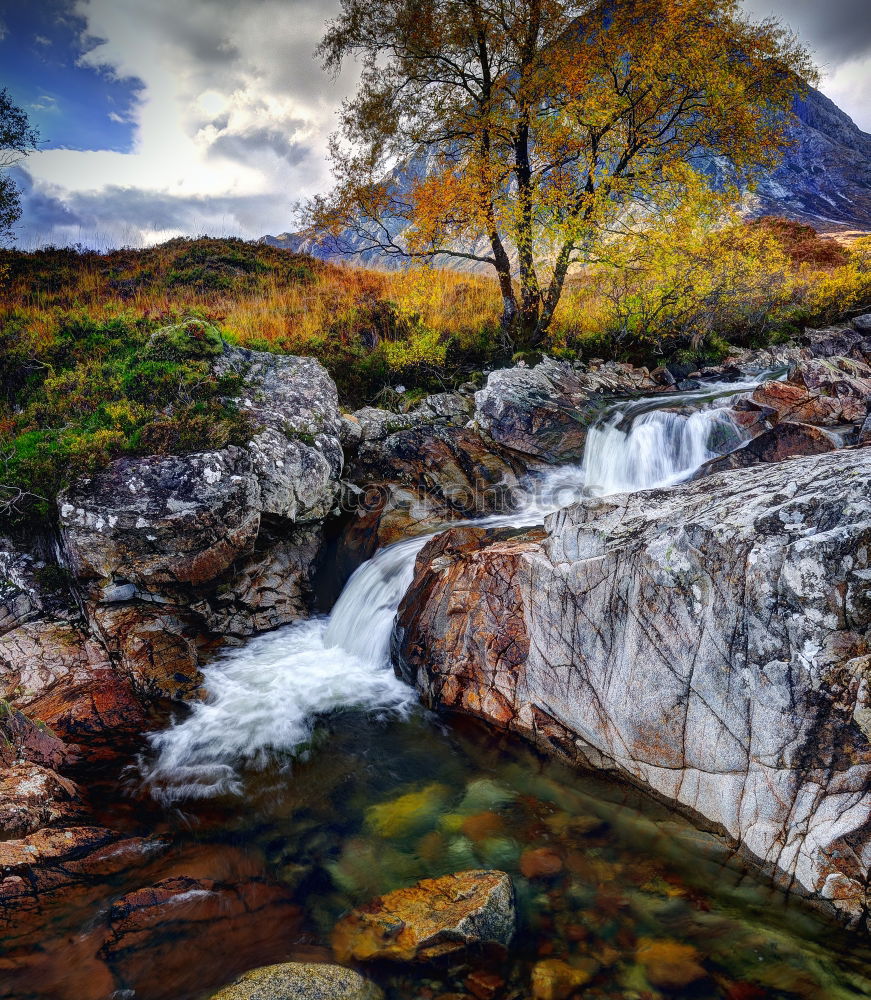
(193, 339)
(96, 391)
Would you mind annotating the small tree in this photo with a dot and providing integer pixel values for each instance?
(17, 139)
(535, 123)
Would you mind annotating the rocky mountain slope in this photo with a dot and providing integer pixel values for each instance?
(824, 180)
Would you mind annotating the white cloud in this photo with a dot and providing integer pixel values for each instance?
(234, 107)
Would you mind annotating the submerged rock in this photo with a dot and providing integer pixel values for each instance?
(669, 964)
(707, 641)
(300, 981)
(434, 918)
(554, 979)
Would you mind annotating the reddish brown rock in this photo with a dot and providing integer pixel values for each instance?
(554, 979)
(157, 649)
(434, 918)
(822, 392)
(464, 592)
(64, 678)
(181, 924)
(23, 739)
(541, 862)
(669, 964)
(32, 797)
(64, 868)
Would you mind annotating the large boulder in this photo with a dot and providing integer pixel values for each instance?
(162, 526)
(709, 642)
(146, 525)
(300, 981)
(544, 412)
(435, 918)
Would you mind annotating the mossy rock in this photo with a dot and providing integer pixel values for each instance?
(192, 339)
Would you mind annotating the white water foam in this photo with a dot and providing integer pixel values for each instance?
(266, 695)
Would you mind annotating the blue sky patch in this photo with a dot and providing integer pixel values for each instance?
(74, 107)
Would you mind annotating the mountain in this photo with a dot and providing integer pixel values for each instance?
(823, 180)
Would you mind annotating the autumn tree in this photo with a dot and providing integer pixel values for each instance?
(513, 133)
(17, 139)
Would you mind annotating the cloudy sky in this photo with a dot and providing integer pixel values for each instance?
(166, 117)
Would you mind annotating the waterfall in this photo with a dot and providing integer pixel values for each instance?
(266, 695)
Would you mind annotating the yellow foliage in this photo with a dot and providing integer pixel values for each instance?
(423, 347)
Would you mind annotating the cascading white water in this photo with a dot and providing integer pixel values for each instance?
(660, 441)
(266, 695)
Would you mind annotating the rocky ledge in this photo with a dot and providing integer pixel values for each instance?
(707, 642)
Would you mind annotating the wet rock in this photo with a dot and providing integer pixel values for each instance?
(64, 677)
(21, 739)
(784, 440)
(269, 588)
(554, 979)
(32, 797)
(301, 981)
(434, 918)
(180, 924)
(540, 862)
(737, 606)
(669, 964)
(60, 868)
(544, 412)
(157, 649)
(425, 476)
(476, 662)
(822, 392)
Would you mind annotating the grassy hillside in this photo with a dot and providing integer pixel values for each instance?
(86, 376)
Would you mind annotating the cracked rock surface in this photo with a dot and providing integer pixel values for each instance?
(709, 642)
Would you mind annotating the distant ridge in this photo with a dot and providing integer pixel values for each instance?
(824, 180)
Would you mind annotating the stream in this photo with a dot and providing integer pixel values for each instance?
(309, 764)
